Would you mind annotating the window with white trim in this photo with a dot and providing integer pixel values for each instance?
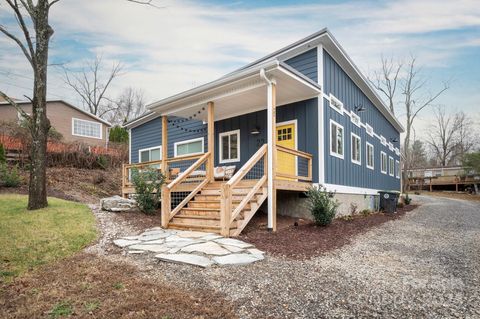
(355, 119)
(336, 104)
(336, 139)
(383, 162)
(391, 166)
(370, 156)
(150, 154)
(397, 166)
(229, 146)
(86, 128)
(356, 148)
(189, 147)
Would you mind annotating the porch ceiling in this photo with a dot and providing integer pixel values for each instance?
(239, 96)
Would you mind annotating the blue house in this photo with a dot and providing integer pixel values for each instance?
(261, 135)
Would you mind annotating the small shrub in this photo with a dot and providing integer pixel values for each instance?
(407, 200)
(366, 212)
(322, 205)
(148, 185)
(102, 162)
(3, 157)
(9, 176)
(400, 205)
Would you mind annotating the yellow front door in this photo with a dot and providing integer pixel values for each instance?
(286, 163)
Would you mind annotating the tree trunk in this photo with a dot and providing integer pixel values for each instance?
(40, 124)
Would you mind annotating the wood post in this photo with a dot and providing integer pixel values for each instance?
(166, 206)
(225, 209)
(165, 146)
(272, 156)
(211, 141)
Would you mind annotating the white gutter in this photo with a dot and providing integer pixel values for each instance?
(270, 150)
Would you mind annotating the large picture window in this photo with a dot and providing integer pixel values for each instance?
(86, 128)
(370, 156)
(383, 162)
(229, 146)
(336, 139)
(189, 147)
(356, 149)
(150, 154)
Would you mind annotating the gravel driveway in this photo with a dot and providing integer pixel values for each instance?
(426, 264)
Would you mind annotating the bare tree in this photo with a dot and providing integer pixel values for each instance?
(386, 80)
(442, 136)
(91, 84)
(418, 154)
(130, 104)
(34, 44)
(414, 102)
(466, 136)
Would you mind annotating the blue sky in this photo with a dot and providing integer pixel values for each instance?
(187, 43)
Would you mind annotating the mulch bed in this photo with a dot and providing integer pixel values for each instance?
(308, 240)
(86, 286)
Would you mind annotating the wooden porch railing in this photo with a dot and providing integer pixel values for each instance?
(302, 164)
(184, 177)
(227, 216)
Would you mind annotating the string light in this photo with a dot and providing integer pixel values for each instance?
(183, 120)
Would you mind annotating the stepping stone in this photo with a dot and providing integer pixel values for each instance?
(152, 248)
(173, 250)
(209, 248)
(125, 242)
(236, 259)
(153, 236)
(136, 252)
(211, 237)
(233, 249)
(233, 242)
(192, 234)
(154, 242)
(152, 232)
(182, 242)
(154, 229)
(186, 259)
(130, 237)
(255, 252)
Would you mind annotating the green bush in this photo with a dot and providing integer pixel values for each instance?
(102, 161)
(9, 177)
(322, 205)
(148, 185)
(3, 157)
(118, 134)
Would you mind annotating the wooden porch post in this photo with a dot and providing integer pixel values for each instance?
(166, 206)
(165, 145)
(272, 156)
(211, 141)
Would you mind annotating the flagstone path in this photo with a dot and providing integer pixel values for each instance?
(189, 247)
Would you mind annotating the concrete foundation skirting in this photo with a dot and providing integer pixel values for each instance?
(294, 204)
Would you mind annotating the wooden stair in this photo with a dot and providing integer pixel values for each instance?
(202, 213)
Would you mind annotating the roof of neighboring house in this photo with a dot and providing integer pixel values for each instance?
(323, 37)
(67, 104)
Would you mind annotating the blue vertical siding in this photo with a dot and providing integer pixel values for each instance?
(344, 172)
(149, 135)
(306, 63)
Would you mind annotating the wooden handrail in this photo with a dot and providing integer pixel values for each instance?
(247, 166)
(188, 171)
(184, 158)
(248, 197)
(294, 152)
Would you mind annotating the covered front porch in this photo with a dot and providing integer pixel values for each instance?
(196, 192)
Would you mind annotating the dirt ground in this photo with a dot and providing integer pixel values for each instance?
(307, 240)
(86, 286)
(81, 185)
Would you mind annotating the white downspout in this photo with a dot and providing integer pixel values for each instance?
(269, 147)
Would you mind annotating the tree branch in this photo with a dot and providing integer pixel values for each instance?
(20, 44)
(16, 106)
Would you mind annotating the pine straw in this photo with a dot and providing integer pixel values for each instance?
(93, 287)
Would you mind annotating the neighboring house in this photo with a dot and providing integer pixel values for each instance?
(301, 116)
(74, 124)
(442, 178)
